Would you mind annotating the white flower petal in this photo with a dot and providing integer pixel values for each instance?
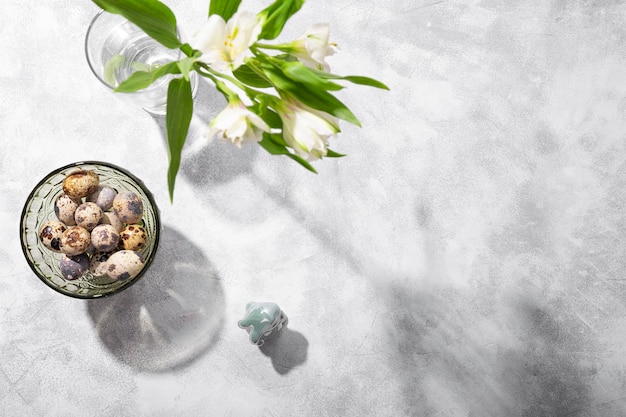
(238, 128)
(320, 31)
(243, 29)
(256, 120)
(238, 124)
(210, 35)
(306, 130)
(313, 47)
(317, 123)
(216, 59)
(225, 45)
(252, 135)
(225, 118)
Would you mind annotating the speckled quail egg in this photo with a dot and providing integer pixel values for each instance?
(128, 207)
(124, 264)
(108, 217)
(133, 237)
(103, 196)
(50, 234)
(80, 183)
(104, 238)
(97, 263)
(73, 267)
(75, 240)
(88, 215)
(65, 207)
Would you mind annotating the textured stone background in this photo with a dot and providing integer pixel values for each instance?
(465, 259)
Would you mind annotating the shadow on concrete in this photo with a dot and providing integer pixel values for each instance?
(453, 351)
(218, 163)
(206, 162)
(287, 350)
(170, 317)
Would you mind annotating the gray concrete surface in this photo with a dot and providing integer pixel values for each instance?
(465, 259)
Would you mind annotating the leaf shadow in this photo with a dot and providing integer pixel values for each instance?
(515, 360)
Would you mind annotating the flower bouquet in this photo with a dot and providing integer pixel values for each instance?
(279, 95)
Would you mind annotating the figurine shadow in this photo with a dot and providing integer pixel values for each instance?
(287, 350)
(208, 161)
(170, 317)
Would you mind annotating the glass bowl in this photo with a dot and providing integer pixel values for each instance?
(39, 208)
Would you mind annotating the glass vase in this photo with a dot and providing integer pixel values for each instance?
(115, 48)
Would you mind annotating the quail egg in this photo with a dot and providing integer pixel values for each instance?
(65, 207)
(50, 234)
(103, 196)
(97, 263)
(73, 267)
(108, 217)
(75, 240)
(133, 237)
(88, 215)
(104, 238)
(124, 264)
(128, 207)
(80, 183)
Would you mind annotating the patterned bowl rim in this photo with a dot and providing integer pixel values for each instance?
(148, 260)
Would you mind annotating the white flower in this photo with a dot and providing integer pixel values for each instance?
(305, 129)
(237, 124)
(313, 47)
(224, 46)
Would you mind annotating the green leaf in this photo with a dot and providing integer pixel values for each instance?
(333, 154)
(271, 145)
(355, 79)
(110, 67)
(224, 8)
(177, 120)
(185, 65)
(271, 118)
(152, 16)
(142, 79)
(299, 72)
(264, 110)
(302, 162)
(248, 76)
(140, 66)
(318, 99)
(276, 15)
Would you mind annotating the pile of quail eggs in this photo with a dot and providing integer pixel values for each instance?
(97, 229)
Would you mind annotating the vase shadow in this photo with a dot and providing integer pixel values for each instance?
(170, 317)
(208, 161)
(218, 163)
(287, 350)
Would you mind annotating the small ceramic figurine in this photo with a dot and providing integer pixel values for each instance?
(262, 320)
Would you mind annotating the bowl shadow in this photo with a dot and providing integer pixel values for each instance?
(170, 317)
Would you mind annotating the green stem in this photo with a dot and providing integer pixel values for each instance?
(283, 47)
(250, 92)
(252, 65)
(204, 70)
(265, 58)
(187, 50)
